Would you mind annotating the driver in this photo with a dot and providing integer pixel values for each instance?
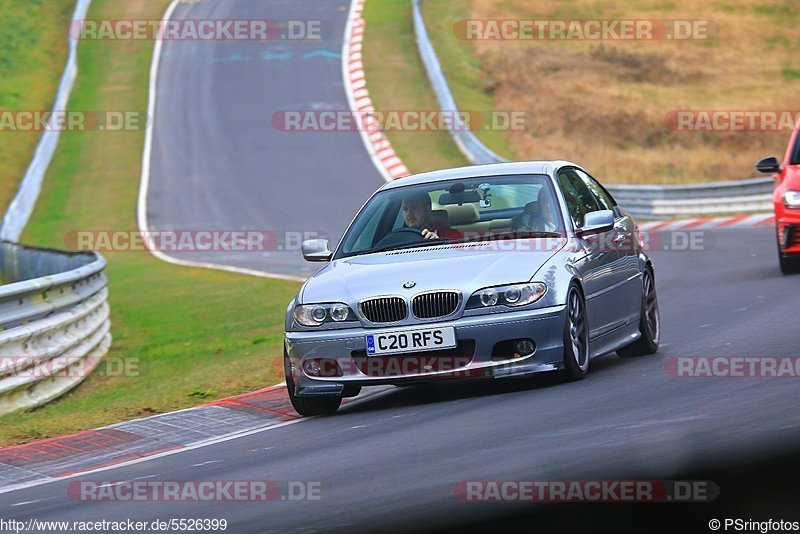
(416, 210)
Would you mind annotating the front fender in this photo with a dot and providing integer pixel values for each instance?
(287, 321)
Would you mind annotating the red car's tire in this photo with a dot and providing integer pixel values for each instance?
(789, 264)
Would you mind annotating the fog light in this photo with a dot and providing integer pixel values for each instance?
(311, 367)
(525, 347)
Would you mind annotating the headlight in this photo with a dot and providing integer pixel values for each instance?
(317, 314)
(513, 295)
(791, 199)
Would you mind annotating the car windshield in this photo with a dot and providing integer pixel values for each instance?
(486, 208)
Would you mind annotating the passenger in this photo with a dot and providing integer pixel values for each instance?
(537, 216)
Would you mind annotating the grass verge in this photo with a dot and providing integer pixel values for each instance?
(397, 81)
(471, 88)
(33, 51)
(182, 336)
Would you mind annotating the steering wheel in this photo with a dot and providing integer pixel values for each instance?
(400, 235)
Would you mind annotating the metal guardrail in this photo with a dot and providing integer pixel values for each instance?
(54, 318)
(21, 207)
(54, 322)
(660, 202)
(475, 151)
(653, 202)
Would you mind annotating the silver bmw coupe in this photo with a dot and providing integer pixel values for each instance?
(478, 272)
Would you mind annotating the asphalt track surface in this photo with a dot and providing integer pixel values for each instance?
(218, 163)
(392, 461)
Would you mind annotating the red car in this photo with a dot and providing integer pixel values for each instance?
(787, 203)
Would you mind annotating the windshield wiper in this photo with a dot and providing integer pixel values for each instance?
(401, 246)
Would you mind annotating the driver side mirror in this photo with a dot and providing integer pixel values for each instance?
(316, 250)
(769, 165)
(596, 222)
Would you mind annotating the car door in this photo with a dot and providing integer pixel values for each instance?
(625, 244)
(600, 270)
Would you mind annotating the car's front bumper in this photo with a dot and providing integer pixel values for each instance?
(478, 353)
(789, 232)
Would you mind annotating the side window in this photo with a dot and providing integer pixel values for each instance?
(603, 199)
(578, 196)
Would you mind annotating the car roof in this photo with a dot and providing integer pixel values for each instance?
(478, 171)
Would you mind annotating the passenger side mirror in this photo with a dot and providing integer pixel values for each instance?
(316, 250)
(596, 222)
(769, 165)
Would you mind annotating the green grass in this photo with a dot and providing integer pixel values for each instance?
(471, 89)
(33, 51)
(790, 74)
(188, 335)
(397, 81)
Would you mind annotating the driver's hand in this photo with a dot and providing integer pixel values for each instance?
(430, 234)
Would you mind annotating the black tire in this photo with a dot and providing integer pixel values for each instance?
(649, 321)
(576, 336)
(311, 405)
(789, 264)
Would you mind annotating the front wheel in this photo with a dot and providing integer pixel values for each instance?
(311, 405)
(576, 336)
(649, 321)
(789, 264)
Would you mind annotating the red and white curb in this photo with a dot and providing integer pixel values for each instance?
(128, 442)
(121, 444)
(158, 435)
(380, 150)
(738, 221)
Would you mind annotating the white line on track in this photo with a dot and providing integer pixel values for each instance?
(141, 209)
(23, 503)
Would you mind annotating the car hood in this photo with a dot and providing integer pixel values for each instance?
(466, 267)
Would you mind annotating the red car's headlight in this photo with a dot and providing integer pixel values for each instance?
(791, 199)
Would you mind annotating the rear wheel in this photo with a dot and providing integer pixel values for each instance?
(576, 336)
(649, 321)
(311, 405)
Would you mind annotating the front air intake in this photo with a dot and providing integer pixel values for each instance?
(436, 304)
(384, 309)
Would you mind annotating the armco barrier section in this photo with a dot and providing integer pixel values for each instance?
(54, 322)
(662, 202)
(652, 202)
(21, 207)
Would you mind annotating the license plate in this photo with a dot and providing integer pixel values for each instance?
(411, 340)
